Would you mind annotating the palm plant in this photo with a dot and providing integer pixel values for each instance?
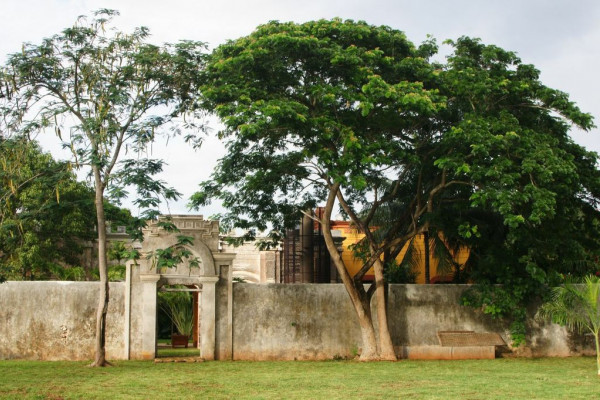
(178, 306)
(577, 306)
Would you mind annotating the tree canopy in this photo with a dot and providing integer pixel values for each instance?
(345, 113)
(533, 192)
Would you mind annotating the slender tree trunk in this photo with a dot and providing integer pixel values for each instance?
(360, 303)
(100, 357)
(386, 347)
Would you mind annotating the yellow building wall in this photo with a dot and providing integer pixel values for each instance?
(353, 265)
(460, 258)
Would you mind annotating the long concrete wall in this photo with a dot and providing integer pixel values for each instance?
(56, 320)
(287, 322)
(418, 312)
(307, 321)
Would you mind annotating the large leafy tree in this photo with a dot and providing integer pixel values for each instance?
(107, 94)
(346, 114)
(323, 112)
(533, 192)
(503, 139)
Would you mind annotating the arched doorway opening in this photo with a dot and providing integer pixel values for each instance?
(211, 270)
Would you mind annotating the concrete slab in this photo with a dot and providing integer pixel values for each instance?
(469, 338)
(448, 353)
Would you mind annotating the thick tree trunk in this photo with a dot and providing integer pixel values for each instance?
(360, 303)
(367, 332)
(386, 347)
(100, 357)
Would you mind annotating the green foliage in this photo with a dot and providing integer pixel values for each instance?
(577, 306)
(528, 178)
(178, 306)
(476, 147)
(400, 273)
(500, 302)
(117, 216)
(114, 92)
(70, 273)
(316, 111)
(116, 273)
(45, 214)
(175, 255)
(119, 251)
(298, 103)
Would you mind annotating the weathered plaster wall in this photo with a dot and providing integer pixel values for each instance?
(287, 322)
(417, 312)
(142, 315)
(222, 340)
(56, 320)
(305, 321)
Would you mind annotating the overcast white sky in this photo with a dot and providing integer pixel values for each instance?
(560, 37)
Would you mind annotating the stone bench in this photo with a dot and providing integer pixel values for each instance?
(457, 345)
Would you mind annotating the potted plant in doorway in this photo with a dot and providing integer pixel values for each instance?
(178, 306)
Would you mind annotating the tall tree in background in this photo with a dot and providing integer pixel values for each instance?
(45, 214)
(113, 92)
(47, 217)
(535, 193)
(346, 113)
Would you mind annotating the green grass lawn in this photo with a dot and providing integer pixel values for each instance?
(165, 350)
(548, 378)
(178, 352)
